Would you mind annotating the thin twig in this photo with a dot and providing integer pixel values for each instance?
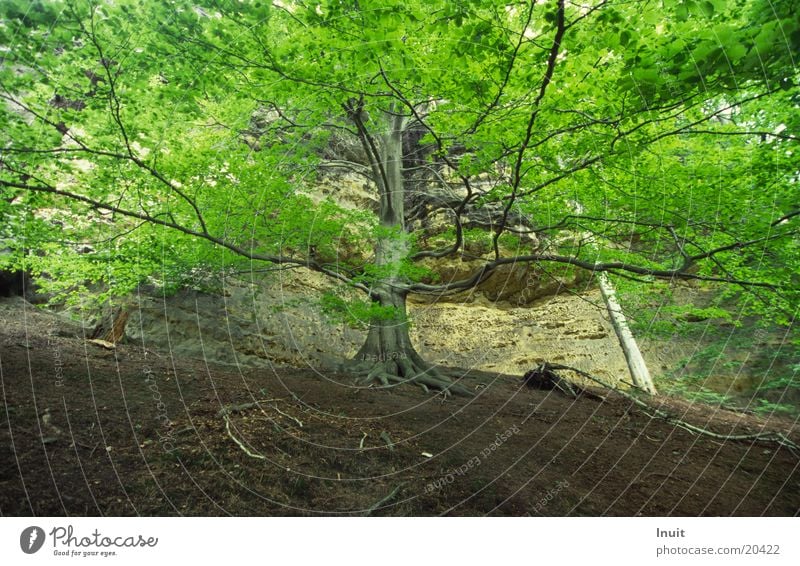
(298, 421)
(239, 443)
(230, 409)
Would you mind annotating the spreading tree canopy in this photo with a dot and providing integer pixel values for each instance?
(648, 139)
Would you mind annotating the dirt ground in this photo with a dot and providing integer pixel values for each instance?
(86, 430)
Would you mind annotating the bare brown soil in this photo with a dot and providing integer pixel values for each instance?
(86, 430)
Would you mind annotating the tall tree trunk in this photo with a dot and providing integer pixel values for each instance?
(388, 357)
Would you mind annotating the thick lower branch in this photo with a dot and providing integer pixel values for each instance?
(483, 272)
(284, 260)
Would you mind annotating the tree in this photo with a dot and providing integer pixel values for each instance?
(581, 125)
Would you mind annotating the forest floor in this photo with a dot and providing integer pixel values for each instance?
(86, 430)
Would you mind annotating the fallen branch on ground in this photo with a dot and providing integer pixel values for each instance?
(230, 409)
(775, 437)
(239, 443)
(258, 404)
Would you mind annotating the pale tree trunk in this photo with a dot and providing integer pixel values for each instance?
(388, 357)
(636, 364)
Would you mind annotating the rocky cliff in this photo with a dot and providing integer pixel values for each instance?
(279, 321)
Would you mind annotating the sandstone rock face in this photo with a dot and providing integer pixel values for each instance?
(565, 328)
(274, 322)
(280, 322)
(521, 285)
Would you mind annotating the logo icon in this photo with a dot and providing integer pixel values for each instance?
(31, 540)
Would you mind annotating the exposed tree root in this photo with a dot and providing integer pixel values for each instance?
(394, 372)
(772, 437)
(388, 358)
